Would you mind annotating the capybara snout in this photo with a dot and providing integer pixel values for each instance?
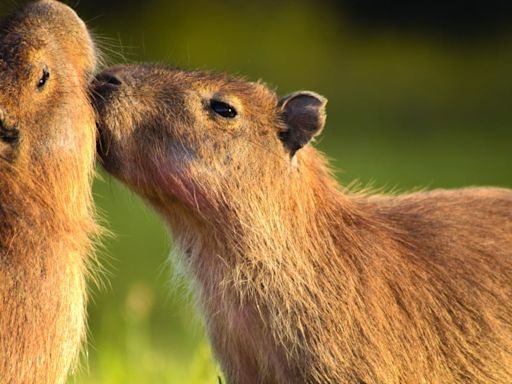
(9, 137)
(9, 132)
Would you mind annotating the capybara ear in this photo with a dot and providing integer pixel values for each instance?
(304, 115)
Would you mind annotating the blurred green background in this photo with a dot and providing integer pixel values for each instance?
(419, 96)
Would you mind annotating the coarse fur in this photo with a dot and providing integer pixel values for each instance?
(47, 151)
(300, 280)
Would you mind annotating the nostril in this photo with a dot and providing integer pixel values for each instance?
(9, 134)
(107, 78)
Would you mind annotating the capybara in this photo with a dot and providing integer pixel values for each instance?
(300, 279)
(47, 152)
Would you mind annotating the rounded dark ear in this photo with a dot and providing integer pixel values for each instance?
(304, 115)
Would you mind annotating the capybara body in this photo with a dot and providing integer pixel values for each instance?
(47, 151)
(302, 281)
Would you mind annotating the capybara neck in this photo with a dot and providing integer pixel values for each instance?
(263, 257)
(46, 213)
(280, 215)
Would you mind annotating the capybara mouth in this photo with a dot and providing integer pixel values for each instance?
(103, 87)
(106, 149)
(103, 148)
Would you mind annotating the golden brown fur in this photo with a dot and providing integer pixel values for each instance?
(300, 280)
(47, 136)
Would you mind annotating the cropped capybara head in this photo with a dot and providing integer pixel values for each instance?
(200, 132)
(47, 153)
(46, 60)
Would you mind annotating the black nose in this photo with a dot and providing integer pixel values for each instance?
(8, 133)
(108, 79)
(105, 84)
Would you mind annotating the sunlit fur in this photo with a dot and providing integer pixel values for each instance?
(45, 192)
(300, 280)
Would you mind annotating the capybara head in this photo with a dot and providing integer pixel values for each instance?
(46, 122)
(189, 136)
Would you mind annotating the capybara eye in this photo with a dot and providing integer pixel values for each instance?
(44, 79)
(223, 109)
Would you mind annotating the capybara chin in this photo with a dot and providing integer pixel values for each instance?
(302, 281)
(47, 151)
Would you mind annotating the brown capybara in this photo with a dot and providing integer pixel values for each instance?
(47, 151)
(302, 281)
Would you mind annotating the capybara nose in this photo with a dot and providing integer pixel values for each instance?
(108, 79)
(8, 132)
(105, 84)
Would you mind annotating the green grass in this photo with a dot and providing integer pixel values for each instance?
(140, 363)
(143, 326)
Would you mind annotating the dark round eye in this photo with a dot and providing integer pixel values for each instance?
(223, 109)
(44, 79)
